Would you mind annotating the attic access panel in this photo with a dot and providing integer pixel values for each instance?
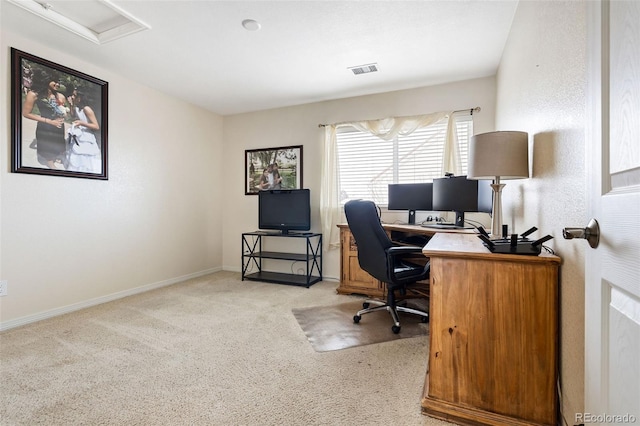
(99, 21)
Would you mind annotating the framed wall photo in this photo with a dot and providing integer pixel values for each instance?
(272, 168)
(58, 119)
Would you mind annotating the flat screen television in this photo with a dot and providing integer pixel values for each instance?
(411, 197)
(459, 194)
(284, 210)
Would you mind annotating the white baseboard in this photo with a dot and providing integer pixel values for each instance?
(99, 300)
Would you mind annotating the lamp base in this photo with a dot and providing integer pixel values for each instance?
(496, 218)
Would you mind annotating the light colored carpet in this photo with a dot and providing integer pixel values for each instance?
(331, 327)
(209, 351)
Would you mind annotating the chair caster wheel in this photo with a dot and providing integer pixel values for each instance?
(356, 318)
(366, 305)
(395, 329)
(424, 319)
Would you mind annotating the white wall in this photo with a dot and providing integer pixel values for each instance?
(67, 242)
(299, 126)
(541, 90)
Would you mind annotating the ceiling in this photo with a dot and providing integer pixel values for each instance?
(199, 51)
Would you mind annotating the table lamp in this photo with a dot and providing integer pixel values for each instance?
(498, 155)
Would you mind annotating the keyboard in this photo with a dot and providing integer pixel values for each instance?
(444, 226)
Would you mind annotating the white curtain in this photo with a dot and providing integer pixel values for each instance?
(387, 129)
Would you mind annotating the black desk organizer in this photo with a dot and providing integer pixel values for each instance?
(515, 244)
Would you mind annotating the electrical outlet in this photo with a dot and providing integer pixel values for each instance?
(3, 288)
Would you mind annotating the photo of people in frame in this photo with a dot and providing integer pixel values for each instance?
(59, 118)
(273, 169)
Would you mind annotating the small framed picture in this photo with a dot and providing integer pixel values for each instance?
(58, 119)
(272, 168)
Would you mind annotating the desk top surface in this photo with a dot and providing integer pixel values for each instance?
(468, 245)
(419, 229)
(426, 229)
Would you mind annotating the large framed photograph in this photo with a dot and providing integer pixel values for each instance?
(273, 168)
(58, 119)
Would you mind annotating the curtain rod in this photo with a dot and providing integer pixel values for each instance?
(471, 111)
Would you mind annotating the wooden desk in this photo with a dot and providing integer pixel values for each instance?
(354, 280)
(493, 341)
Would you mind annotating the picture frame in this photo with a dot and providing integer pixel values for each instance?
(259, 174)
(59, 119)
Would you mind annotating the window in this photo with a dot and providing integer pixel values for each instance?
(367, 164)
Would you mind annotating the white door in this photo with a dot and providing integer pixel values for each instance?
(612, 274)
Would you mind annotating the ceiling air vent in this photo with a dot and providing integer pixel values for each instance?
(364, 69)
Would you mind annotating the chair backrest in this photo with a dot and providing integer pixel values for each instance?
(370, 236)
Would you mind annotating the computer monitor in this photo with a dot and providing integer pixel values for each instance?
(485, 196)
(410, 196)
(459, 194)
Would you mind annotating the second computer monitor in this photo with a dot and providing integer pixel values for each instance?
(485, 196)
(411, 197)
(459, 194)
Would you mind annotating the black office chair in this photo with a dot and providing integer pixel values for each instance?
(381, 259)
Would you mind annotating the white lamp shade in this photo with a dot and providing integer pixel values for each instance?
(499, 154)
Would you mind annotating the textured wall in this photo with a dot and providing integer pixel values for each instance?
(541, 90)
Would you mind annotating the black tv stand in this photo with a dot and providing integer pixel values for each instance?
(253, 256)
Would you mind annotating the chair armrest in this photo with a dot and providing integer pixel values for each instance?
(394, 256)
(403, 250)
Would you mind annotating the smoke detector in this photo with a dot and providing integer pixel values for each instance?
(251, 25)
